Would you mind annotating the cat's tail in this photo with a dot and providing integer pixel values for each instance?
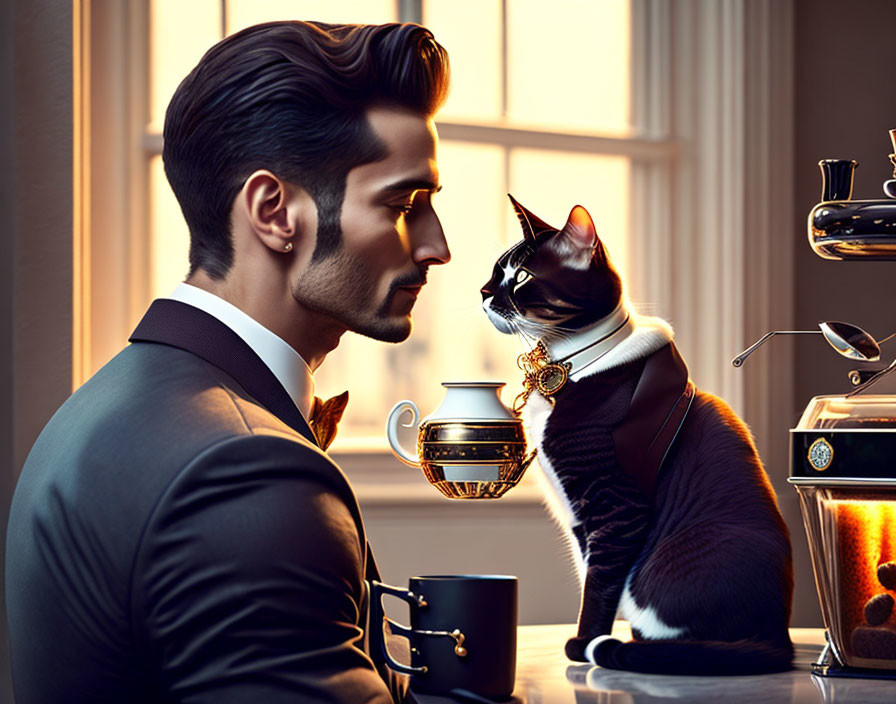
(682, 657)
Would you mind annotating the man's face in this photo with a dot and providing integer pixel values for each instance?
(390, 234)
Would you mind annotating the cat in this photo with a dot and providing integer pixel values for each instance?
(659, 487)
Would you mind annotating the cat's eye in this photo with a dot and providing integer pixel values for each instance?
(522, 276)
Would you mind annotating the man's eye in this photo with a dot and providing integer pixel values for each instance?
(404, 208)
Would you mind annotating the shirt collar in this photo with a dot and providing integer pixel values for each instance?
(286, 364)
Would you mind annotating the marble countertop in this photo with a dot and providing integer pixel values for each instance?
(545, 676)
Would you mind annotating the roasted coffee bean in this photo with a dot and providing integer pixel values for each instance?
(878, 609)
(886, 575)
(878, 643)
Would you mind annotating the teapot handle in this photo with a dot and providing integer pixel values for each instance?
(395, 414)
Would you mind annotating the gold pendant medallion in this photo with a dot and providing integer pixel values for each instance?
(542, 374)
(551, 378)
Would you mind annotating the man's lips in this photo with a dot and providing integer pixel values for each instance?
(411, 290)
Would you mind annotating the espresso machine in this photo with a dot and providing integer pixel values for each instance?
(843, 459)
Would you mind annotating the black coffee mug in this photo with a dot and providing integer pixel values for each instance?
(462, 634)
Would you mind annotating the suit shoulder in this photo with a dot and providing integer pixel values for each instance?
(265, 485)
(267, 456)
(255, 503)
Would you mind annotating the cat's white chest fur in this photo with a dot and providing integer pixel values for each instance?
(535, 416)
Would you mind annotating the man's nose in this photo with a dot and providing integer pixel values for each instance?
(430, 245)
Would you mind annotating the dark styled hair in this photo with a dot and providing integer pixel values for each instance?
(290, 97)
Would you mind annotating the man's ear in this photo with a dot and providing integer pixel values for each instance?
(273, 210)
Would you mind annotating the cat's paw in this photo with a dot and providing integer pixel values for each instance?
(582, 648)
(575, 648)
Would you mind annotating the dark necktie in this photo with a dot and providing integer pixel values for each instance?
(325, 416)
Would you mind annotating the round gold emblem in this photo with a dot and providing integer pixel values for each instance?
(821, 454)
(551, 378)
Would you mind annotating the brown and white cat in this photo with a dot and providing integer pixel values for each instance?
(659, 486)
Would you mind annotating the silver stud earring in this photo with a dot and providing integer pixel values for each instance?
(287, 247)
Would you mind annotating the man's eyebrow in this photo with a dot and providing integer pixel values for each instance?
(413, 184)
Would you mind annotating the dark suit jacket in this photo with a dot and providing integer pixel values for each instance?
(177, 536)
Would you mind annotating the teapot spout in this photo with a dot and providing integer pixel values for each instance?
(836, 178)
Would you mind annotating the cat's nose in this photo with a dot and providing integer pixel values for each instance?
(485, 293)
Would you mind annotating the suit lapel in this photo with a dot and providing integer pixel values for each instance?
(180, 325)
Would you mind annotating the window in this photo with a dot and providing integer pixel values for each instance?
(556, 107)
(523, 117)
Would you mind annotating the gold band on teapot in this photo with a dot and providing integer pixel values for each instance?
(495, 451)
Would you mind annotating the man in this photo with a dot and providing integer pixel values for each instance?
(176, 533)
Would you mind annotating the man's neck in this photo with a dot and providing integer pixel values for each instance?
(307, 332)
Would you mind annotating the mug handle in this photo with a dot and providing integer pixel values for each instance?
(378, 622)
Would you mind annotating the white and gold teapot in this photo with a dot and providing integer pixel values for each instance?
(471, 447)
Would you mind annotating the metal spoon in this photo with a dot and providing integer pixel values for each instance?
(849, 340)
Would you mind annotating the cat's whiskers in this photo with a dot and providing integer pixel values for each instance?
(531, 331)
(540, 330)
(529, 336)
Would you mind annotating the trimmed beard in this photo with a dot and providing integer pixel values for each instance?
(340, 286)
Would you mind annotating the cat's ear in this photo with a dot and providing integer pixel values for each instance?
(532, 225)
(579, 229)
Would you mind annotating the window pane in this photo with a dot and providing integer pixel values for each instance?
(551, 183)
(474, 50)
(452, 338)
(169, 238)
(180, 33)
(569, 65)
(244, 13)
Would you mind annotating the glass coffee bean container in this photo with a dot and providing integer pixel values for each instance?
(843, 466)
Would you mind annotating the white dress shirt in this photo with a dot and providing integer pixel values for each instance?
(286, 364)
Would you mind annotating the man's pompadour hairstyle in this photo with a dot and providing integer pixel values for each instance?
(289, 97)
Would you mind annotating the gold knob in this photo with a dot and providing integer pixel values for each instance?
(459, 648)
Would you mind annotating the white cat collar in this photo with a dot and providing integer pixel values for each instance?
(583, 349)
(544, 372)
